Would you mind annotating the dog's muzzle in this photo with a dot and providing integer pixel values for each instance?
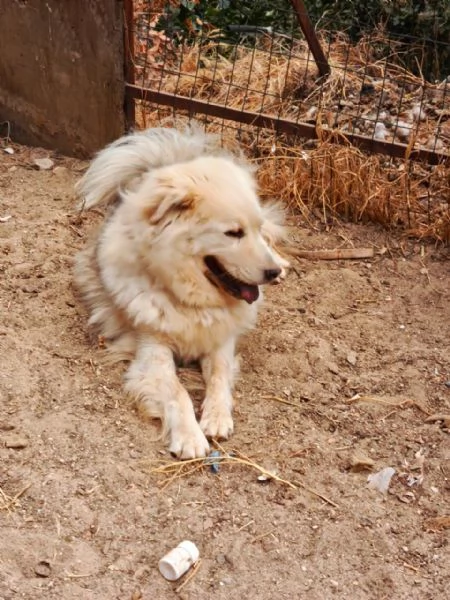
(220, 277)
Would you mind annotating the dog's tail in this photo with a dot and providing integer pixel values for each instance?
(120, 165)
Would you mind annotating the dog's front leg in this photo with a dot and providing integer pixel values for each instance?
(152, 380)
(219, 369)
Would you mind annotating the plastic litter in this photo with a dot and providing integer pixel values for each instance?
(380, 481)
(213, 461)
(179, 560)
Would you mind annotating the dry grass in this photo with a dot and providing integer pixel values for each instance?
(337, 178)
(343, 181)
(175, 470)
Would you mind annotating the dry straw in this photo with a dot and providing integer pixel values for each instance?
(176, 470)
(338, 178)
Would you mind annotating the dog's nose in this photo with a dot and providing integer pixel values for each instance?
(271, 274)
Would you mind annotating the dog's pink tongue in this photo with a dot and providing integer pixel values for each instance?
(250, 293)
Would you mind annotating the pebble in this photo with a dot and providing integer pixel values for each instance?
(60, 171)
(208, 523)
(333, 368)
(360, 463)
(29, 289)
(44, 164)
(24, 267)
(43, 569)
(4, 426)
(351, 357)
(17, 442)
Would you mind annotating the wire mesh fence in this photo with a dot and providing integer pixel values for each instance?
(319, 139)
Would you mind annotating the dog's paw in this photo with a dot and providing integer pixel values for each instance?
(217, 423)
(189, 443)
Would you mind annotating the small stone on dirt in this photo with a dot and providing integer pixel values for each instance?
(29, 289)
(43, 569)
(436, 524)
(4, 426)
(44, 164)
(23, 268)
(60, 171)
(17, 442)
(333, 368)
(351, 358)
(208, 523)
(360, 463)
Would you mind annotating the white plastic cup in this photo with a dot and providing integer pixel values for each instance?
(179, 560)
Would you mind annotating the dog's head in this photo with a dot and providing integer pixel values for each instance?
(208, 236)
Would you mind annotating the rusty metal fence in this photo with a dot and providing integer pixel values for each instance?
(291, 82)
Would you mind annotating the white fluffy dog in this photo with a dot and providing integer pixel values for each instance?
(174, 272)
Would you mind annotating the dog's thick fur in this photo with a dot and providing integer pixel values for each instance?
(174, 272)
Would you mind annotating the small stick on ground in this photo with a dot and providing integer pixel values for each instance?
(177, 468)
(11, 501)
(78, 575)
(445, 418)
(392, 403)
(75, 230)
(282, 400)
(260, 537)
(437, 524)
(314, 493)
(411, 567)
(246, 525)
(337, 254)
(192, 574)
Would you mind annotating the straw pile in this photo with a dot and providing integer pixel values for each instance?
(362, 94)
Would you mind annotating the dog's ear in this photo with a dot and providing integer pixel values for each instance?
(274, 216)
(274, 232)
(168, 203)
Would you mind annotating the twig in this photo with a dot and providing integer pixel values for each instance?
(78, 575)
(391, 403)
(412, 567)
(297, 453)
(168, 468)
(13, 500)
(75, 230)
(439, 417)
(179, 474)
(436, 524)
(260, 537)
(337, 254)
(314, 493)
(188, 578)
(282, 400)
(246, 525)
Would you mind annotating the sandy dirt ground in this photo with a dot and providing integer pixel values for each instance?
(347, 373)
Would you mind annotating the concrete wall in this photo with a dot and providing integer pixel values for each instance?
(61, 73)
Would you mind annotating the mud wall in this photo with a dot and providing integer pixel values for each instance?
(61, 73)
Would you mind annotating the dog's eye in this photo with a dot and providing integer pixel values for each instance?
(236, 233)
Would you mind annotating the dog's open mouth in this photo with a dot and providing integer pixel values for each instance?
(220, 277)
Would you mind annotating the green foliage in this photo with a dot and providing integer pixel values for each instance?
(418, 18)
(406, 20)
(423, 26)
(189, 17)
